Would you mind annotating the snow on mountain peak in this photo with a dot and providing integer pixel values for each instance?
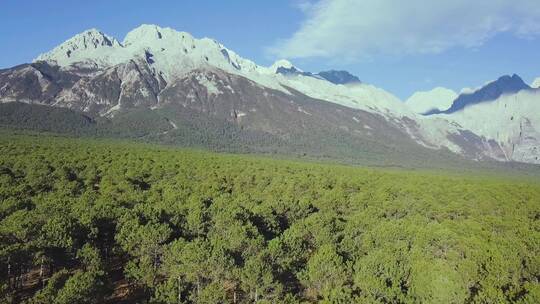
(150, 33)
(171, 54)
(92, 38)
(74, 48)
(504, 85)
(142, 34)
(282, 63)
(439, 99)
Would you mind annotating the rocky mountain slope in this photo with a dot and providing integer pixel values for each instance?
(513, 121)
(198, 86)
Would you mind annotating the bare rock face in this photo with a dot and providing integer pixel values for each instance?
(37, 82)
(525, 147)
(241, 101)
(127, 85)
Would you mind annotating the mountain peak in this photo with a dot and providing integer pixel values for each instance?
(286, 68)
(92, 38)
(507, 82)
(147, 33)
(89, 40)
(94, 32)
(282, 63)
(491, 91)
(169, 52)
(510, 79)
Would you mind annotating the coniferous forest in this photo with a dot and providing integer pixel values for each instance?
(96, 221)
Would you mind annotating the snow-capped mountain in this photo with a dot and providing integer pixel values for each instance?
(286, 68)
(511, 120)
(438, 99)
(505, 85)
(170, 55)
(170, 72)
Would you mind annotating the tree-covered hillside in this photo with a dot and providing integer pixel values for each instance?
(85, 221)
(184, 127)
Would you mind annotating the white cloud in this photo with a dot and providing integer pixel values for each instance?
(353, 29)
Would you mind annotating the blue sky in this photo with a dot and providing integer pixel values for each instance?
(402, 50)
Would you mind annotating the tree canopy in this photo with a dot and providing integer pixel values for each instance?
(93, 221)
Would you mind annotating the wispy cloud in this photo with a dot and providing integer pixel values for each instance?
(353, 29)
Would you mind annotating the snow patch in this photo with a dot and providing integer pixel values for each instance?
(303, 111)
(112, 110)
(173, 125)
(210, 85)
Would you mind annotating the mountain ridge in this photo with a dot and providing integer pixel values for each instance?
(154, 68)
(491, 91)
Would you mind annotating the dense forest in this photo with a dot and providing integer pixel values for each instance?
(95, 221)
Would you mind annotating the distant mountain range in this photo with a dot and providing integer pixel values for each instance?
(503, 86)
(165, 86)
(333, 76)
